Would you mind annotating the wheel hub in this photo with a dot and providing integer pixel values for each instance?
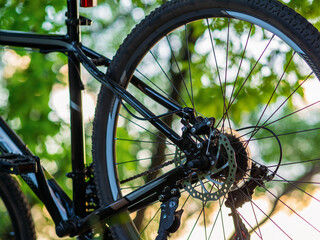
(220, 163)
(242, 156)
(214, 183)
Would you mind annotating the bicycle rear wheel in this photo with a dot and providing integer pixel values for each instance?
(252, 65)
(15, 216)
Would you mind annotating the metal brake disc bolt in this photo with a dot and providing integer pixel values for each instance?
(193, 130)
(199, 145)
(161, 197)
(174, 191)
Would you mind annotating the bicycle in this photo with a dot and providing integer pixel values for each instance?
(206, 103)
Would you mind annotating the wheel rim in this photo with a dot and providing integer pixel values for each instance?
(261, 81)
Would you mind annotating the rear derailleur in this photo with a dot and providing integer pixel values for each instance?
(170, 218)
(236, 199)
(259, 175)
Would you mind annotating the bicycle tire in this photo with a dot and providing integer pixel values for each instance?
(265, 16)
(14, 208)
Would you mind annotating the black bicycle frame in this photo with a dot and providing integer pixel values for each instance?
(70, 215)
(58, 203)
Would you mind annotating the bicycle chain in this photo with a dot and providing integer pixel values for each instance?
(150, 171)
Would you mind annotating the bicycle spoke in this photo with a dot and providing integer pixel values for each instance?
(217, 216)
(259, 235)
(189, 64)
(286, 116)
(152, 133)
(222, 223)
(161, 90)
(185, 201)
(292, 163)
(295, 112)
(268, 103)
(199, 215)
(150, 221)
(248, 76)
(303, 182)
(194, 225)
(204, 220)
(266, 215)
(284, 180)
(168, 78)
(225, 81)
(215, 59)
(290, 208)
(144, 159)
(280, 135)
(255, 217)
(295, 186)
(180, 72)
(240, 65)
(283, 117)
(277, 225)
(294, 91)
(295, 212)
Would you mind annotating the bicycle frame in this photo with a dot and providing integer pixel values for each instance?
(58, 203)
(69, 215)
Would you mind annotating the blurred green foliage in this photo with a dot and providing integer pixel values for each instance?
(28, 79)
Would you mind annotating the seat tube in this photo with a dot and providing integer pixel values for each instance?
(77, 135)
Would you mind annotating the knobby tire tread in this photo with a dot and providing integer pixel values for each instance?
(19, 206)
(298, 23)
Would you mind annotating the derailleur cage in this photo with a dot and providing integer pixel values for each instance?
(236, 198)
(241, 232)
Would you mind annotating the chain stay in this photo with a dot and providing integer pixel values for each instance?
(150, 171)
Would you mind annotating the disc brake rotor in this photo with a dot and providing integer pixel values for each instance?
(216, 182)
